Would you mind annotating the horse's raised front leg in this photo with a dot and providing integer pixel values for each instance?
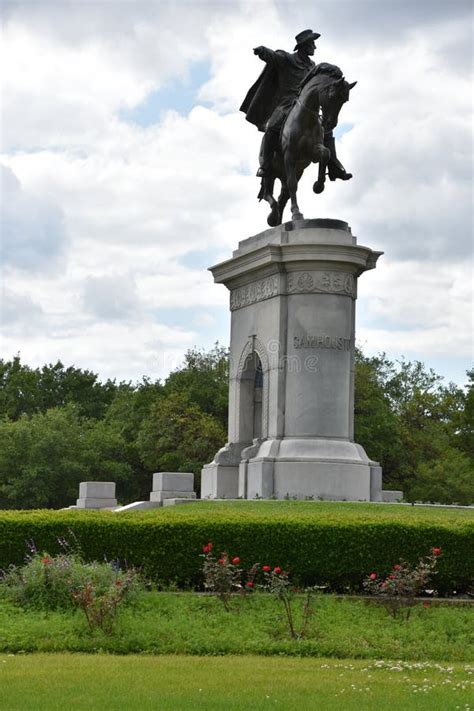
(323, 160)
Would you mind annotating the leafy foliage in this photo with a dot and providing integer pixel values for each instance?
(65, 581)
(27, 391)
(44, 457)
(317, 543)
(404, 582)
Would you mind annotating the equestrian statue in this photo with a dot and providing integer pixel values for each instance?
(296, 103)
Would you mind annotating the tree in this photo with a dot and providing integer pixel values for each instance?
(426, 411)
(447, 480)
(204, 379)
(26, 391)
(129, 409)
(44, 457)
(178, 436)
(376, 425)
(464, 423)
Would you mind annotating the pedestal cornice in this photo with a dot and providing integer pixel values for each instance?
(305, 248)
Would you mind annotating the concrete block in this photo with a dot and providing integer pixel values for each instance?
(97, 490)
(219, 481)
(173, 481)
(162, 495)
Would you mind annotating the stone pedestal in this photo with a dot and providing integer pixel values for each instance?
(293, 290)
(96, 495)
(172, 485)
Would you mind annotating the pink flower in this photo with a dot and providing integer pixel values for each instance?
(236, 560)
(266, 568)
(397, 567)
(249, 584)
(221, 561)
(391, 576)
(373, 576)
(277, 570)
(436, 551)
(207, 549)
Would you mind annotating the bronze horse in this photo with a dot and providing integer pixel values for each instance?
(314, 113)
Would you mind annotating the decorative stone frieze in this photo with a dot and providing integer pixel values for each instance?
(330, 282)
(254, 292)
(307, 282)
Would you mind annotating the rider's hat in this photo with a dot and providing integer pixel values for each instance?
(304, 36)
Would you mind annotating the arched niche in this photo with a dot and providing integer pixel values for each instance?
(252, 393)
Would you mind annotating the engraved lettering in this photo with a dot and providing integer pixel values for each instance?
(338, 343)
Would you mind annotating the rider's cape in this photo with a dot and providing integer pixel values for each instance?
(260, 101)
(262, 97)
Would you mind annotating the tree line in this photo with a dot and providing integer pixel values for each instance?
(61, 425)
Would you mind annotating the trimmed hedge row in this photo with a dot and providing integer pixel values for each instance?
(338, 550)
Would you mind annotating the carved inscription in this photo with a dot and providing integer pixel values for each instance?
(337, 343)
(251, 293)
(329, 282)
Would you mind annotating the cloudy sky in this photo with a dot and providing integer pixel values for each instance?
(127, 170)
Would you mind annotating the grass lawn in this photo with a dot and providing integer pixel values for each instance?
(45, 682)
(186, 623)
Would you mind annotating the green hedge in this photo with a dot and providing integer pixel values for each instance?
(317, 545)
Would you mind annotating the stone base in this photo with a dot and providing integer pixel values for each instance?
(303, 468)
(160, 496)
(91, 503)
(96, 495)
(219, 481)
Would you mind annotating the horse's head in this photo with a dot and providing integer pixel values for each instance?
(332, 97)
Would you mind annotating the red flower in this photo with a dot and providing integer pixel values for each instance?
(397, 567)
(436, 551)
(277, 570)
(391, 576)
(221, 561)
(236, 560)
(373, 576)
(249, 584)
(45, 560)
(207, 549)
(266, 568)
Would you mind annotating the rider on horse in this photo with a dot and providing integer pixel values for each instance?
(271, 98)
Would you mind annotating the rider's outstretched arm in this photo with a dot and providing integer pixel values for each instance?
(269, 56)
